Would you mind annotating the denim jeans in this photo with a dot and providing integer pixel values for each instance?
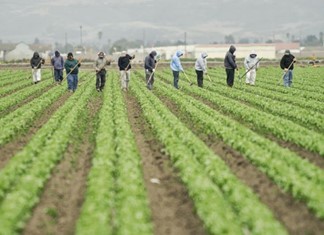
(175, 78)
(72, 81)
(58, 75)
(100, 79)
(287, 80)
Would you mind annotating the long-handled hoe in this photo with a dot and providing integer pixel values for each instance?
(240, 77)
(250, 68)
(285, 72)
(79, 62)
(34, 69)
(187, 78)
(148, 81)
(209, 78)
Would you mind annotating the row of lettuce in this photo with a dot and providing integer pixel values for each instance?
(290, 172)
(24, 176)
(225, 205)
(116, 201)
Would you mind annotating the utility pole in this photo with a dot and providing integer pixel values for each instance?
(185, 44)
(81, 35)
(65, 43)
(143, 44)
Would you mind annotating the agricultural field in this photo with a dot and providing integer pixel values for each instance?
(213, 160)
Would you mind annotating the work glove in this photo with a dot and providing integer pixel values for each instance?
(286, 69)
(153, 70)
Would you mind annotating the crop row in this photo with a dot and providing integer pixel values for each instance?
(280, 127)
(21, 84)
(116, 200)
(24, 177)
(11, 78)
(224, 204)
(305, 80)
(304, 180)
(21, 95)
(302, 116)
(288, 97)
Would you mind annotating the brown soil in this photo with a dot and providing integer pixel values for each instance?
(294, 215)
(25, 101)
(62, 198)
(171, 207)
(314, 158)
(10, 149)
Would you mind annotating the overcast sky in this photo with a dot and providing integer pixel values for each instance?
(204, 21)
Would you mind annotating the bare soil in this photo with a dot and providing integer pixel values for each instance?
(27, 100)
(10, 149)
(314, 158)
(172, 209)
(293, 214)
(62, 198)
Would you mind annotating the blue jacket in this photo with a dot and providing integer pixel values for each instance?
(175, 64)
(57, 61)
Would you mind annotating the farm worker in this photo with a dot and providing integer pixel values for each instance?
(58, 63)
(287, 64)
(201, 68)
(230, 65)
(124, 64)
(149, 66)
(35, 63)
(176, 67)
(99, 66)
(71, 66)
(251, 65)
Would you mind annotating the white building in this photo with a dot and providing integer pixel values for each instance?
(267, 51)
(22, 51)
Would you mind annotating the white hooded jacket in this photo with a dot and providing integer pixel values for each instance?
(249, 61)
(201, 62)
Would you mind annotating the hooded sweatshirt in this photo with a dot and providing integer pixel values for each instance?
(251, 60)
(201, 62)
(57, 61)
(286, 60)
(124, 62)
(36, 61)
(150, 61)
(229, 61)
(175, 62)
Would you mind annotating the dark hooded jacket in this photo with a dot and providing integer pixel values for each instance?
(36, 61)
(229, 61)
(150, 61)
(124, 62)
(286, 60)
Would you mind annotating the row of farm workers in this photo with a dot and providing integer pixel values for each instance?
(71, 66)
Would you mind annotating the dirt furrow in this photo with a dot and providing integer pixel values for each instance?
(171, 207)
(294, 215)
(10, 149)
(62, 198)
